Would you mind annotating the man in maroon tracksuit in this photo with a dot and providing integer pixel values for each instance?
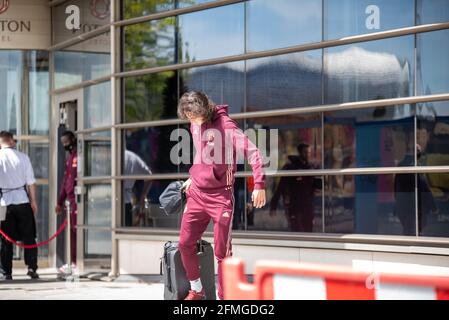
(218, 142)
(67, 191)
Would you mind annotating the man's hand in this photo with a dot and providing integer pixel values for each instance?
(34, 206)
(58, 209)
(258, 197)
(186, 185)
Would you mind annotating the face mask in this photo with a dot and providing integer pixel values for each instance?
(69, 147)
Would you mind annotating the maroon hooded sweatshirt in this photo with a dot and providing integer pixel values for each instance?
(217, 145)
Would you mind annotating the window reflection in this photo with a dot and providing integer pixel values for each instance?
(282, 23)
(149, 44)
(211, 33)
(98, 155)
(153, 146)
(98, 213)
(39, 156)
(432, 11)
(292, 132)
(369, 71)
(135, 193)
(433, 139)
(97, 105)
(39, 100)
(149, 214)
(287, 81)
(369, 204)
(87, 60)
(42, 218)
(136, 8)
(432, 63)
(293, 203)
(352, 17)
(151, 97)
(224, 83)
(377, 137)
(11, 90)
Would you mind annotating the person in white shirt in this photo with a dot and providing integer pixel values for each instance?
(134, 165)
(18, 194)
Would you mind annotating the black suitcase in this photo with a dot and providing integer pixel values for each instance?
(177, 285)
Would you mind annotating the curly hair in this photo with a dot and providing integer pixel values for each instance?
(198, 104)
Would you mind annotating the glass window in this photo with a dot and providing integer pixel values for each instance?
(39, 101)
(282, 23)
(98, 213)
(148, 151)
(370, 204)
(433, 139)
(137, 8)
(369, 71)
(98, 205)
(42, 218)
(187, 3)
(212, 33)
(298, 140)
(223, 83)
(379, 137)
(151, 97)
(87, 60)
(149, 44)
(433, 64)
(24, 72)
(142, 206)
(98, 244)
(293, 80)
(343, 18)
(97, 105)
(11, 91)
(98, 154)
(93, 14)
(432, 11)
(293, 204)
(39, 156)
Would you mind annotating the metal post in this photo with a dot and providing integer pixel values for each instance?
(68, 236)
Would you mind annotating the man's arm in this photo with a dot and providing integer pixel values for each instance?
(32, 195)
(31, 184)
(242, 143)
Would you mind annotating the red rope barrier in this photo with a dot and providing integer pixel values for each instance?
(40, 244)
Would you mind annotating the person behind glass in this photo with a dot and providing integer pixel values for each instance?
(209, 189)
(404, 193)
(134, 165)
(297, 192)
(67, 192)
(18, 194)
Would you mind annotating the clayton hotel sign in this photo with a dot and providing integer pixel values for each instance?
(25, 24)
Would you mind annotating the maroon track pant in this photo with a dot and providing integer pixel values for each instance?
(201, 207)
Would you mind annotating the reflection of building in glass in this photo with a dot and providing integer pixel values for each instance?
(134, 110)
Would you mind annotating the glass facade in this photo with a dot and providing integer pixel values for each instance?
(379, 137)
(24, 110)
(125, 121)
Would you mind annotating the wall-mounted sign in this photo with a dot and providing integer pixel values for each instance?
(25, 24)
(75, 17)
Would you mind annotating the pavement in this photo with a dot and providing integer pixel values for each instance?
(88, 286)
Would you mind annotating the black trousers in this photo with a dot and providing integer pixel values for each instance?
(19, 225)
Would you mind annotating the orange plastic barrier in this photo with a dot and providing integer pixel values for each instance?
(276, 280)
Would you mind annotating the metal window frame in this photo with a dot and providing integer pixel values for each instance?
(115, 27)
